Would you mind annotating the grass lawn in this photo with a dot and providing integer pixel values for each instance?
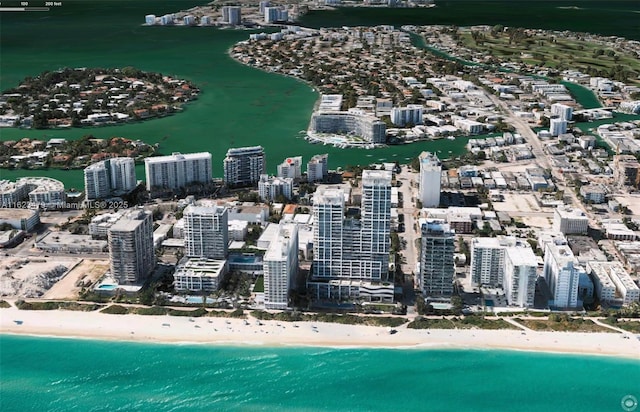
(547, 51)
(564, 325)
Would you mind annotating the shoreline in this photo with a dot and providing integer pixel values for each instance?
(252, 333)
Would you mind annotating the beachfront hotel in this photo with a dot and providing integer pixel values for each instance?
(280, 266)
(206, 231)
(177, 171)
(430, 170)
(436, 258)
(131, 252)
(520, 275)
(244, 165)
(613, 284)
(562, 273)
(350, 248)
(488, 259)
(199, 274)
(111, 177)
(317, 168)
(352, 123)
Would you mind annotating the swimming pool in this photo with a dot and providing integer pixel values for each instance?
(107, 287)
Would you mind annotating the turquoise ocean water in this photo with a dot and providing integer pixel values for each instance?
(53, 374)
(242, 106)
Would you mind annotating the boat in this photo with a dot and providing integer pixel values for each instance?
(451, 138)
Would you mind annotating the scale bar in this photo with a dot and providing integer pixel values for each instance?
(24, 9)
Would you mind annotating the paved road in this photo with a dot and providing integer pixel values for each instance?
(542, 159)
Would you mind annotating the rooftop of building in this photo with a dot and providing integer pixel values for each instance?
(204, 210)
(280, 245)
(130, 220)
(16, 213)
(199, 266)
(570, 213)
(177, 156)
(241, 151)
(522, 255)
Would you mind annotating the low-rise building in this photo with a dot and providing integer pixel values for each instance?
(21, 219)
(199, 274)
(570, 221)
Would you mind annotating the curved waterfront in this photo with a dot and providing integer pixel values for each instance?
(238, 106)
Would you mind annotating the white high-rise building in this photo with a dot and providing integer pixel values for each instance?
(430, 170)
(291, 167)
(271, 14)
(562, 273)
(520, 274)
(350, 248)
(131, 252)
(243, 166)
(563, 111)
(177, 171)
(262, 5)
(557, 126)
(111, 177)
(402, 116)
(280, 266)
(317, 168)
(206, 231)
(232, 15)
(269, 188)
(436, 258)
(487, 259)
(150, 19)
(96, 181)
(570, 221)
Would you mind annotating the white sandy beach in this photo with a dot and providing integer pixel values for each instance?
(222, 331)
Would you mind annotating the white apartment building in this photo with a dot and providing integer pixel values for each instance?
(317, 168)
(177, 170)
(613, 283)
(488, 259)
(42, 192)
(430, 171)
(197, 274)
(232, 15)
(361, 125)
(269, 188)
(111, 177)
(520, 274)
(347, 248)
(563, 111)
(562, 273)
(274, 14)
(131, 252)
(436, 258)
(412, 114)
(291, 168)
(557, 126)
(280, 266)
(243, 166)
(570, 221)
(206, 231)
